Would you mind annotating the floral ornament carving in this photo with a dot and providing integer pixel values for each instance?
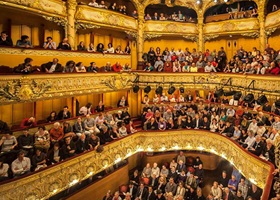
(23, 90)
(190, 37)
(132, 34)
(80, 25)
(268, 32)
(253, 35)
(210, 37)
(58, 20)
(148, 36)
(119, 82)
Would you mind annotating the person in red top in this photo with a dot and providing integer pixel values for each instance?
(28, 122)
(117, 67)
(56, 133)
(168, 66)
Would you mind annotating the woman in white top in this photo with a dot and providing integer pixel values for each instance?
(110, 48)
(156, 99)
(80, 67)
(122, 130)
(85, 109)
(180, 190)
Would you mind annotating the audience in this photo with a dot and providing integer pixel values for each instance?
(24, 42)
(5, 40)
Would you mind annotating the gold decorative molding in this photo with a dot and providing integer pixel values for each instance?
(48, 7)
(269, 31)
(190, 37)
(272, 20)
(170, 28)
(70, 54)
(148, 36)
(210, 37)
(81, 25)
(105, 18)
(28, 88)
(253, 35)
(58, 20)
(233, 26)
(48, 182)
(132, 34)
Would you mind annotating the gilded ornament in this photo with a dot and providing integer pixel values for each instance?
(148, 36)
(190, 37)
(210, 37)
(58, 20)
(80, 25)
(253, 35)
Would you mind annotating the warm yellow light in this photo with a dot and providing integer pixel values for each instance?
(74, 182)
(201, 148)
(149, 149)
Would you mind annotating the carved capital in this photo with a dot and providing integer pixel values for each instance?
(210, 37)
(81, 25)
(253, 35)
(58, 20)
(190, 37)
(269, 31)
(132, 34)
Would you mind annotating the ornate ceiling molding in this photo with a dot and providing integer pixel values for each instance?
(58, 20)
(148, 36)
(82, 25)
(132, 34)
(190, 37)
(210, 37)
(253, 34)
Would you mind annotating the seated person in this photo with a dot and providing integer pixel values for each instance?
(42, 139)
(92, 67)
(126, 68)
(68, 130)
(51, 67)
(68, 148)
(85, 109)
(80, 67)
(110, 49)
(56, 133)
(28, 122)
(4, 167)
(81, 46)
(64, 114)
(100, 107)
(125, 116)
(55, 154)
(90, 124)
(64, 45)
(26, 67)
(21, 165)
(108, 67)
(91, 48)
(93, 3)
(79, 127)
(52, 117)
(26, 142)
(118, 50)
(94, 142)
(70, 67)
(148, 67)
(39, 159)
(122, 102)
(117, 67)
(100, 48)
(24, 42)
(82, 145)
(123, 130)
(8, 143)
(5, 40)
(49, 44)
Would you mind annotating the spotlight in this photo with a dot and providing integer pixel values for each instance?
(159, 90)
(262, 100)
(171, 90)
(249, 98)
(215, 1)
(135, 88)
(229, 93)
(147, 89)
(182, 90)
(219, 93)
(225, 1)
(237, 96)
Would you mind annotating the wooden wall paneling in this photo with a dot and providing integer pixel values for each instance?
(39, 115)
(35, 37)
(6, 113)
(16, 33)
(18, 113)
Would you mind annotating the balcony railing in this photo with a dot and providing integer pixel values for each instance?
(49, 181)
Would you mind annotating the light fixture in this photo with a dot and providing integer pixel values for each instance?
(249, 98)
(182, 90)
(198, 2)
(262, 100)
(147, 89)
(171, 90)
(136, 88)
(149, 149)
(73, 182)
(201, 148)
(162, 148)
(237, 96)
(225, 1)
(229, 93)
(159, 90)
(215, 1)
(219, 93)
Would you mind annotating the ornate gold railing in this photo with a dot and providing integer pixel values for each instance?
(160, 28)
(48, 182)
(245, 27)
(90, 17)
(30, 88)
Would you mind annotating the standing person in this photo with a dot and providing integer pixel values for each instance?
(222, 59)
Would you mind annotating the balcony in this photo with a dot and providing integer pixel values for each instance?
(89, 17)
(51, 180)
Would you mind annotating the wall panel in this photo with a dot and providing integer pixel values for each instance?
(274, 39)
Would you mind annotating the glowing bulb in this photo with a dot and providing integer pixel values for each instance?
(189, 146)
(90, 173)
(201, 148)
(149, 149)
(252, 180)
(213, 151)
(198, 2)
(118, 160)
(176, 147)
(55, 190)
(224, 156)
(162, 148)
(74, 182)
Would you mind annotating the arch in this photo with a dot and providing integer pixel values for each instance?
(268, 6)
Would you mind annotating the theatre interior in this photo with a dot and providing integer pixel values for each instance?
(139, 99)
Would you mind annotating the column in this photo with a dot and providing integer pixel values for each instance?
(263, 38)
(70, 30)
(140, 37)
(200, 32)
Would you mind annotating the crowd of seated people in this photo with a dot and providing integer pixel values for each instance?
(243, 61)
(24, 42)
(46, 147)
(183, 179)
(70, 67)
(179, 17)
(113, 7)
(255, 132)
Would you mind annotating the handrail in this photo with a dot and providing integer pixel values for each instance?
(51, 180)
